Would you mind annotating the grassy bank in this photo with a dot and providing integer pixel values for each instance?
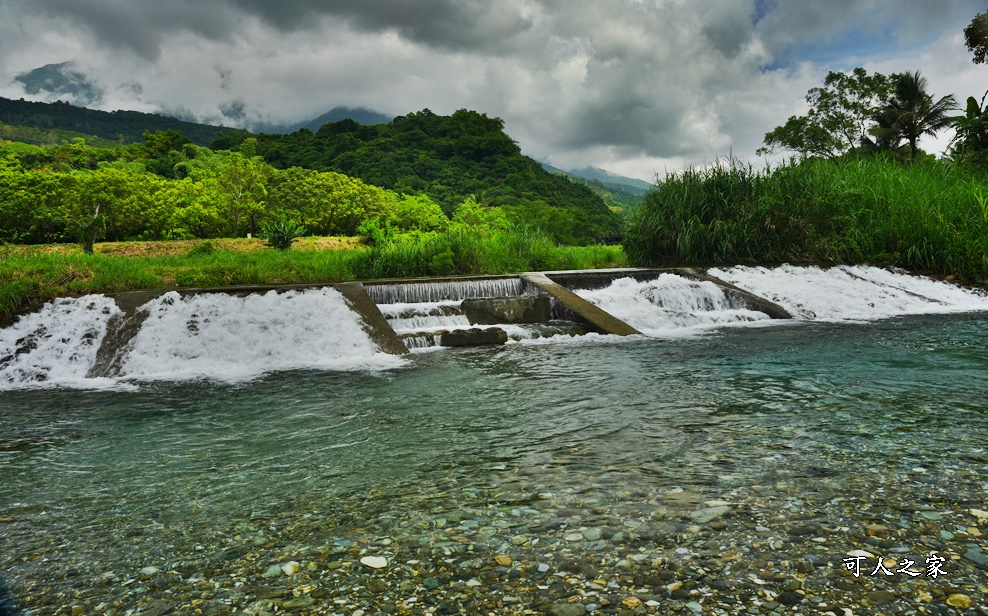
(32, 275)
(929, 217)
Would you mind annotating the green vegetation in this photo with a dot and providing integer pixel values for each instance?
(450, 160)
(116, 126)
(930, 217)
(32, 275)
(282, 234)
(169, 188)
(839, 115)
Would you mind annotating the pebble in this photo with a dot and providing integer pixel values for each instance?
(881, 596)
(374, 562)
(961, 602)
(567, 609)
(559, 553)
(290, 568)
(702, 516)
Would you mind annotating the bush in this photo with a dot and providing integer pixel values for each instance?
(281, 234)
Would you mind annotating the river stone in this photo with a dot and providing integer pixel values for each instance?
(702, 516)
(374, 562)
(881, 596)
(567, 609)
(377, 586)
(473, 337)
(961, 602)
(976, 557)
(290, 568)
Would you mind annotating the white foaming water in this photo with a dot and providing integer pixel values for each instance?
(55, 345)
(670, 305)
(410, 317)
(851, 292)
(223, 337)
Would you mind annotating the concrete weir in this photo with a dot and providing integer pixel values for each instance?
(487, 300)
(603, 322)
(375, 324)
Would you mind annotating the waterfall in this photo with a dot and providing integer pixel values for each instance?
(213, 336)
(852, 292)
(670, 304)
(57, 344)
(444, 290)
(91, 342)
(407, 318)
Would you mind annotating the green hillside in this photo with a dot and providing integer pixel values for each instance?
(451, 159)
(118, 126)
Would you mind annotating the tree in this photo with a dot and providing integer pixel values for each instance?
(839, 115)
(970, 145)
(976, 37)
(912, 113)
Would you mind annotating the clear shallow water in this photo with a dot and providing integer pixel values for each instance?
(843, 418)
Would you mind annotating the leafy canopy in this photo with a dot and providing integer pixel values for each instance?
(976, 37)
(839, 115)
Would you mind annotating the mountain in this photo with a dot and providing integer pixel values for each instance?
(360, 115)
(118, 126)
(621, 194)
(451, 159)
(63, 79)
(632, 185)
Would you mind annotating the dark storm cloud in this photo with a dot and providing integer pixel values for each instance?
(446, 24)
(143, 25)
(621, 80)
(138, 25)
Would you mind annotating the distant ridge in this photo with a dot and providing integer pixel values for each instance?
(119, 126)
(129, 126)
(594, 173)
(64, 79)
(361, 115)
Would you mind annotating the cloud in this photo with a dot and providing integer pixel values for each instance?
(626, 84)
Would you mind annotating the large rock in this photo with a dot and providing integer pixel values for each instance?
(473, 337)
(494, 310)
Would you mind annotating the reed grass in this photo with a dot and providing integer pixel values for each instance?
(30, 276)
(930, 216)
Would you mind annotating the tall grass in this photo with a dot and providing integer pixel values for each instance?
(931, 216)
(30, 276)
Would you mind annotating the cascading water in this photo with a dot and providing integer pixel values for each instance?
(445, 290)
(219, 336)
(852, 292)
(407, 318)
(670, 304)
(58, 344)
(213, 336)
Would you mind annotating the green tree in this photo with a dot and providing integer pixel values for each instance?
(839, 116)
(970, 144)
(976, 37)
(912, 113)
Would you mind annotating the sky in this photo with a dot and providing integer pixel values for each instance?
(638, 87)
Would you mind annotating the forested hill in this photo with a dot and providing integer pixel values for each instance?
(451, 159)
(118, 126)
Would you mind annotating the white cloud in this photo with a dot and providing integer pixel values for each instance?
(634, 86)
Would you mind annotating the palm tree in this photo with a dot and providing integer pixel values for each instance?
(912, 113)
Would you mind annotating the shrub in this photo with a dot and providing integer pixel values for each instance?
(281, 234)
